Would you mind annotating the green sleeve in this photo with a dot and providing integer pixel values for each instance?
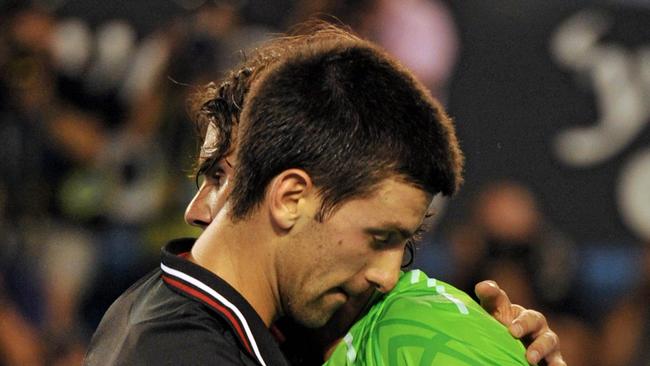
(427, 322)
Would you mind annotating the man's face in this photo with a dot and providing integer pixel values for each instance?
(211, 195)
(217, 183)
(356, 249)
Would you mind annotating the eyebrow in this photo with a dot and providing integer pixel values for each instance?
(205, 163)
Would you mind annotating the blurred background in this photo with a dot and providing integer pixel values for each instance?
(551, 100)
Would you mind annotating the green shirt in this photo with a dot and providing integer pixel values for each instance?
(424, 321)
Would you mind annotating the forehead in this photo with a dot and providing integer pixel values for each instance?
(209, 141)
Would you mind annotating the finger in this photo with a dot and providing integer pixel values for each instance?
(547, 347)
(555, 360)
(492, 298)
(528, 322)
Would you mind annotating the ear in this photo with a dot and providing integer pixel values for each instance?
(289, 196)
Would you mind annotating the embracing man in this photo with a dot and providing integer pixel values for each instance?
(321, 157)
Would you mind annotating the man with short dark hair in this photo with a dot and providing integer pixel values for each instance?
(338, 153)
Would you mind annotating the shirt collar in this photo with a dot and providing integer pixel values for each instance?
(201, 285)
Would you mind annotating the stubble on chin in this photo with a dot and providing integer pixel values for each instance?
(312, 315)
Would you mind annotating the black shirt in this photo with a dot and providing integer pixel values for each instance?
(182, 314)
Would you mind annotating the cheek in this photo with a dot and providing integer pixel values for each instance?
(350, 253)
(216, 197)
(217, 200)
(325, 258)
(354, 243)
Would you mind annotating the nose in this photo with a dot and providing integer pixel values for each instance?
(383, 271)
(200, 211)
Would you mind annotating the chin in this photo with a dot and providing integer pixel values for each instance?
(315, 317)
(312, 322)
(317, 312)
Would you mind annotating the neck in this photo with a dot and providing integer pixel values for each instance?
(240, 253)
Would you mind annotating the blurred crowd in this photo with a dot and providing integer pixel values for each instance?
(97, 150)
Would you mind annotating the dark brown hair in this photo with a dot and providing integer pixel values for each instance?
(335, 106)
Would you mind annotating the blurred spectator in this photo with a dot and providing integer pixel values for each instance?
(578, 344)
(93, 126)
(625, 332)
(507, 236)
(420, 33)
(20, 343)
(42, 272)
(507, 239)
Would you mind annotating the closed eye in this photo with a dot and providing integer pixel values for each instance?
(380, 240)
(394, 235)
(387, 239)
(210, 170)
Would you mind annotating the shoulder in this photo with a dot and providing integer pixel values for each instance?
(183, 342)
(152, 325)
(424, 318)
(171, 344)
(417, 293)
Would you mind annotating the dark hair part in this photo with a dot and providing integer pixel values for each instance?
(341, 109)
